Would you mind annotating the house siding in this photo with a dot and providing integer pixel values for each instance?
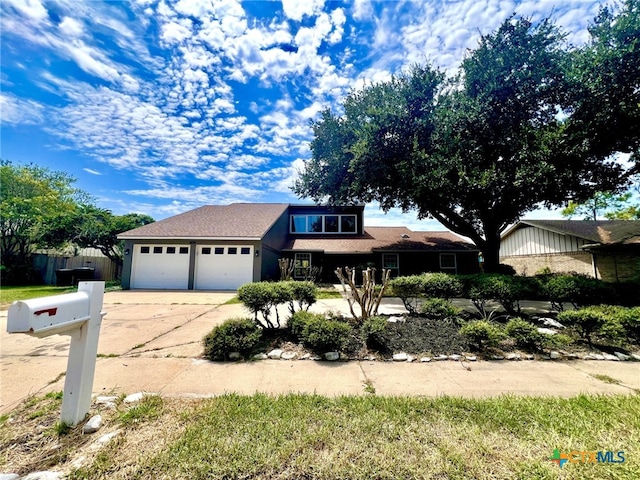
(536, 241)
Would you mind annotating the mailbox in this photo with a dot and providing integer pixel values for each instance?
(78, 315)
(46, 316)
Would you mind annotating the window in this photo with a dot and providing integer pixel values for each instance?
(315, 224)
(219, 250)
(232, 251)
(206, 250)
(245, 251)
(171, 249)
(298, 224)
(184, 250)
(323, 224)
(144, 249)
(448, 262)
(391, 262)
(331, 224)
(302, 264)
(348, 224)
(157, 249)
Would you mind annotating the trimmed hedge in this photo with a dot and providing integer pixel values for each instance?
(439, 308)
(234, 335)
(324, 335)
(483, 333)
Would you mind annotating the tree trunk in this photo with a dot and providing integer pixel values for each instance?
(491, 252)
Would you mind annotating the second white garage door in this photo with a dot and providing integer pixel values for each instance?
(223, 267)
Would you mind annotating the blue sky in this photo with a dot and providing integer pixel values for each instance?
(160, 107)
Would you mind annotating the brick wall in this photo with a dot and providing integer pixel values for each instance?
(611, 266)
(528, 265)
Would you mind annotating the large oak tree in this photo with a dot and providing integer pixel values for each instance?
(475, 152)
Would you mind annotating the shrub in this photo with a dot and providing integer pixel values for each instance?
(439, 308)
(505, 289)
(305, 293)
(299, 319)
(525, 334)
(483, 334)
(322, 335)
(408, 289)
(257, 297)
(578, 290)
(234, 335)
(559, 340)
(586, 320)
(373, 330)
(442, 285)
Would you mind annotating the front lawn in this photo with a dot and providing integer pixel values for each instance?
(314, 437)
(8, 295)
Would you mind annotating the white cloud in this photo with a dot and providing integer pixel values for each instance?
(17, 111)
(71, 27)
(296, 9)
(91, 171)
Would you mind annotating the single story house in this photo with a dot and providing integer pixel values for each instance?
(221, 247)
(605, 249)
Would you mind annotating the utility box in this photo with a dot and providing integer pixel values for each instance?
(41, 317)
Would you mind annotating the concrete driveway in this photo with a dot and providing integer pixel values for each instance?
(152, 341)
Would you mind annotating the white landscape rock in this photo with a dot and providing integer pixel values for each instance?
(288, 355)
(395, 319)
(332, 356)
(635, 357)
(9, 476)
(425, 359)
(622, 356)
(400, 357)
(134, 397)
(608, 356)
(107, 437)
(546, 331)
(235, 356)
(471, 358)
(513, 356)
(93, 425)
(455, 357)
(275, 354)
(555, 355)
(550, 322)
(260, 356)
(45, 475)
(441, 358)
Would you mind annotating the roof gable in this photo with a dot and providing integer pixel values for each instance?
(238, 220)
(606, 232)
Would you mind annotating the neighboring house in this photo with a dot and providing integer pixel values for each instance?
(605, 249)
(220, 247)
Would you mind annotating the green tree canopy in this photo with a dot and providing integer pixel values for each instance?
(30, 198)
(475, 152)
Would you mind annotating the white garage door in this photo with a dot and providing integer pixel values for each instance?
(223, 267)
(160, 266)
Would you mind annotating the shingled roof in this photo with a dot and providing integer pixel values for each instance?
(385, 239)
(238, 220)
(603, 232)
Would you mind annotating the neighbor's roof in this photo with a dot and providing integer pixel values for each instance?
(235, 221)
(605, 232)
(383, 239)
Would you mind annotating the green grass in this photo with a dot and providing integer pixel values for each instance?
(9, 295)
(308, 436)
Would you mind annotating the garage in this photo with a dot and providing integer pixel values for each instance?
(160, 267)
(223, 267)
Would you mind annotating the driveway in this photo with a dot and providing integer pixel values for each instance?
(152, 341)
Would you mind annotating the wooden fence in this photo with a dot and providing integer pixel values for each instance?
(47, 264)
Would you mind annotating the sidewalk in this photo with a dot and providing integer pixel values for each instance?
(151, 341)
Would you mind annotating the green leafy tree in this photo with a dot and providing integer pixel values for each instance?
(609, 205)
(88, 226)
(605, 76)
(475, 152)
(31, 198)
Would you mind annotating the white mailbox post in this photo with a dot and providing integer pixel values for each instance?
(78, 315)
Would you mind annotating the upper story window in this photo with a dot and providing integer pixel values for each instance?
(323, 224)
